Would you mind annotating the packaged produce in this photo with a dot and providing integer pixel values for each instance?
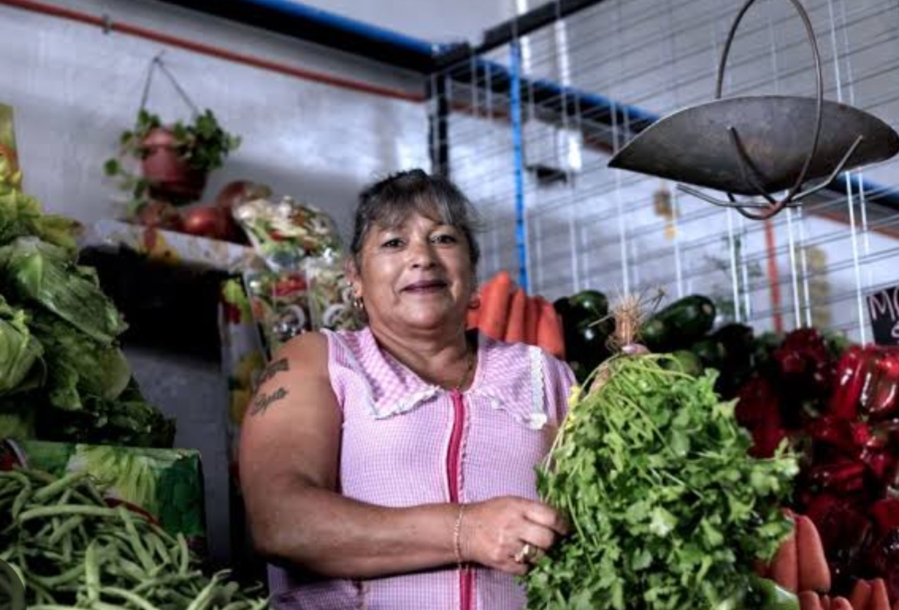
(331, 294)
(287, 232)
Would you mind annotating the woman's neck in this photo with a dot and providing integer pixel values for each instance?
(447, 360)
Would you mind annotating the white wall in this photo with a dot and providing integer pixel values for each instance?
(75, 89)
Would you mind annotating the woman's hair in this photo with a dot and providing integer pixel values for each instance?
(389, 202)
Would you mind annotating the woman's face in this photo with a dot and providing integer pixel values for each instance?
(418, 274)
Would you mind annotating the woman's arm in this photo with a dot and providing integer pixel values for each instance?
(289, 458)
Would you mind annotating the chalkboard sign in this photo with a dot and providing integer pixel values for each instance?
(883, 306)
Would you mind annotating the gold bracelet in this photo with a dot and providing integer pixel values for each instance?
(457, 535)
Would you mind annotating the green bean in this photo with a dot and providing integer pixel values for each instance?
(142, 555)
(184, 564)
(128, 596)
(206, 595)
(65, 529)
(43, 494)
(60, 579)
(92, 573)
(22, 497)
(49, 511)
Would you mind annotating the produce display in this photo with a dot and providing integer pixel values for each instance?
(835, 405)
(63, 375)
(842, 412)
(166, 485)
(71, 548)
(504, 312)
(668, 508)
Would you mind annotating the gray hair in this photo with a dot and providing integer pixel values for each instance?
(389, 202)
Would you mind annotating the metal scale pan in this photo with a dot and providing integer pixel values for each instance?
(759, 145)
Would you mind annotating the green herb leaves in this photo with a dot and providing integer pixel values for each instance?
(668, 508)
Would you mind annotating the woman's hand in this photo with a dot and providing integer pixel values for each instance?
(493, 532)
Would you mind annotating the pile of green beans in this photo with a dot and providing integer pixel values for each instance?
(71, 550)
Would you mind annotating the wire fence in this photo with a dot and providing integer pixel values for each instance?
(531, 128)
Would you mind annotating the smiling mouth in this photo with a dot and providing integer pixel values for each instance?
(426, 287)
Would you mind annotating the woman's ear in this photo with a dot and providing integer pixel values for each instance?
(352, 276)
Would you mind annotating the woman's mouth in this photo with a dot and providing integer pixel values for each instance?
(426, 286)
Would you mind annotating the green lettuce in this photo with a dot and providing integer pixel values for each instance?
(21, 215)
(39, 272)
(77, 364)
(128, 420)
(21, 365)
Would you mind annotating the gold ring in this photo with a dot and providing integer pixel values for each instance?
(525, 554)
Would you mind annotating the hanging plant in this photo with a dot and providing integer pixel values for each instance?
(174, 160)
(169, 163)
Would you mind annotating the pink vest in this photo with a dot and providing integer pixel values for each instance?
(406, 442)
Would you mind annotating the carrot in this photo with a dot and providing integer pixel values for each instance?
(861, 595)
(785, 567)
(880, 600)
(841, 603)
(495, 306)
(809, 600)
(515, 330)
(814, 573)
(531, 319)
(549, 331)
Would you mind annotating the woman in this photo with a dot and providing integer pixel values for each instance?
(396, 463)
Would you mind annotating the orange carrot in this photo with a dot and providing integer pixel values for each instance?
(880, 600)
(841, 603)
(495, 306)
(515, 331)
(531, 319)
(814, 573)
(809, 600)
(549, 333)
(785, 567)
(861, 594)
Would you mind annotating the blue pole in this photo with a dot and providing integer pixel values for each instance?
(521, 237)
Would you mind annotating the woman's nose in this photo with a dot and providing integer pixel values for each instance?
(422, 255)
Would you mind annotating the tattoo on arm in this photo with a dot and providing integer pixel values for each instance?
(278, 366)
(264, 401)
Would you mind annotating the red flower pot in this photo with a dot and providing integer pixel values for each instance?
(170, 177)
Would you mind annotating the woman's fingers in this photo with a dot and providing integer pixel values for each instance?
(547, 517)
(509, 534)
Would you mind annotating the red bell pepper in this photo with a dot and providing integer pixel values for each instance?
(886, 515)
(879, 399)
(848, 384)
(847, 438)
(844, 477)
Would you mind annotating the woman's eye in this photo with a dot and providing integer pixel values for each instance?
(445, 239)
(392, 243)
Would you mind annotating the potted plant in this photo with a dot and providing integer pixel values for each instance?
(174, 160)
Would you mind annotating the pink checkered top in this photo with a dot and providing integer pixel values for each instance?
(398, 449)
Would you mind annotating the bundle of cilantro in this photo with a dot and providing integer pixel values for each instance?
(668, 509)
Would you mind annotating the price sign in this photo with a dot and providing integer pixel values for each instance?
(883, 307)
